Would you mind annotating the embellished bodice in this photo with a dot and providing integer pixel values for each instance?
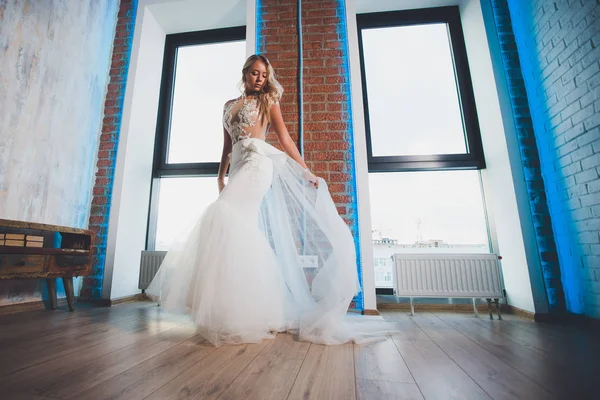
(240, 119)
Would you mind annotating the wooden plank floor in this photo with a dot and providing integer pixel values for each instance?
(134, 351)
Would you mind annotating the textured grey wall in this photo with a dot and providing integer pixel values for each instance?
(54, 60)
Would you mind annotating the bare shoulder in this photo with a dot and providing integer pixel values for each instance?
(276, 114)
(276, 104)
(230, 102)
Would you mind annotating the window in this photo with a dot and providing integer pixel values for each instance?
(423, 142)
(427, 212)
(419, 105)
(201, 71)
(201, 88)
(180, 203)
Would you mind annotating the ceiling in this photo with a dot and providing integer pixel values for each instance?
(195, 15)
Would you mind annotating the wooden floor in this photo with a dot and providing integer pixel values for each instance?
(133, 351)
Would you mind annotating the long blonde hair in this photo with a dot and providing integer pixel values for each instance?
(271, 91)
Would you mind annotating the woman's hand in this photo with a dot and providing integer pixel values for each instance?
(221, 184)
(312, 178)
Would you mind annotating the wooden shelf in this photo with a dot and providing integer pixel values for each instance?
(43, 227)
(67, 253)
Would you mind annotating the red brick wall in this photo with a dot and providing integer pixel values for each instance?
(326, 119)
(328, 147)
(107, 149)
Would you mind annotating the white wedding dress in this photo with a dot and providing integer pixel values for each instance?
(238, 271)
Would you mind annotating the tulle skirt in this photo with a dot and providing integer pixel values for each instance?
(271, 254)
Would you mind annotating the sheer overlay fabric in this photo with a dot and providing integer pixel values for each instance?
(241, 271)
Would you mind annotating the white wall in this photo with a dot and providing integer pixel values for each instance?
(195, 15)
(504, 181)
(360, 160)
(250, 27)
(504, 185)
(131, 191)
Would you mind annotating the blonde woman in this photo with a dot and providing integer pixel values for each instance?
(271, 254)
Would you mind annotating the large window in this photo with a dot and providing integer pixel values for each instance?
(201, 71)
(423, 141)
(418, 99)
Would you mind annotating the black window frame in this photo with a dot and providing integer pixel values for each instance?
(160, 167)
(173, 42)
(473, 158)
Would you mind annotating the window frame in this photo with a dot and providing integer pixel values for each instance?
(160, 167)
(473, 158)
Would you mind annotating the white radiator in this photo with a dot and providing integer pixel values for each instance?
(149, 264)
(448, 276)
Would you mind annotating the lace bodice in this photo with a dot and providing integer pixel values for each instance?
(240, 118)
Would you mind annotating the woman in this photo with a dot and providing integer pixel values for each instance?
(240, 272)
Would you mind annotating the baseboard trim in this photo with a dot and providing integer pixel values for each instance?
(569, 318)
(119, 300)
(371, 312)
(30, 306)
(520, 312)
(97, 303)
(462, 308)
(130, 299)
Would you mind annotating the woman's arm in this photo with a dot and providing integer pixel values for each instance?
(224, 160)
(286, 141)
(283, 135)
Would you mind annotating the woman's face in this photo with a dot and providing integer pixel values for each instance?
(256, 76)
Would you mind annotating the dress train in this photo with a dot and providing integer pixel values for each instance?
(239, 271)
